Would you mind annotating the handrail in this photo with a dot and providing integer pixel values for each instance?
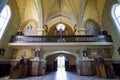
(72, 38)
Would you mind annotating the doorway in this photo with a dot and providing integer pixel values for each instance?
(60, 63)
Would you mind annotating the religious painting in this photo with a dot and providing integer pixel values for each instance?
(103, 52)
(91, 28)
(30, 28)
(23, 53)
(14, 53)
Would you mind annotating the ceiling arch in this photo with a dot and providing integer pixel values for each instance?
(63, 19)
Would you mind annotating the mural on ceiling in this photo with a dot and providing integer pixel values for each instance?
(30, 28)
(91, 28)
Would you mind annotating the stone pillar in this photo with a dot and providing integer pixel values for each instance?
(34, 67)
(42, 67)
(13, 72)
(78, 67)
(84, 67)
(81, 31)
(40, 32)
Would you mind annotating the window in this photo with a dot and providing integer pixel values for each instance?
(61, 27)
(4, 19)
(116, 15)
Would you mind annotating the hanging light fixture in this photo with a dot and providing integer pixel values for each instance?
(21, 18)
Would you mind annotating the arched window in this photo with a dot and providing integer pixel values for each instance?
(92, 27)
(4, 19)
(61, 27)
(115, 12)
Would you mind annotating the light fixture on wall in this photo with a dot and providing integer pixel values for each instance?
(84, 53)
(22, 17)
(2, 51)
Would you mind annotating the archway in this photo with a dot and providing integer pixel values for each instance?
(69, 61)
(53, 30)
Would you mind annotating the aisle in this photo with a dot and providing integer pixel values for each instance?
(60, 75)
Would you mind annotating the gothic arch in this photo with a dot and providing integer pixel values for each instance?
(92, 27)
(63, 19)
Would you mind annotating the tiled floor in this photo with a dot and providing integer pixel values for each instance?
(60, 75)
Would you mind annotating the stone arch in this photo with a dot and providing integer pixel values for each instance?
(57, 52)
(63, 19)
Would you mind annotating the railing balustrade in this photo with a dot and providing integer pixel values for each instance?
(75, 38)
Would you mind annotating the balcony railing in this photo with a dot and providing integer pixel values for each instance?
(75, 38)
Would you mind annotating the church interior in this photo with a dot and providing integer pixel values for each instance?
(60, 39)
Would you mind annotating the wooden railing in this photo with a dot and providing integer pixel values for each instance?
(75, 38)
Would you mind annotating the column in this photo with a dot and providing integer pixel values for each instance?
(42, 67)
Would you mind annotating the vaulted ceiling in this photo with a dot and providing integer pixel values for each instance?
(69, 8)
(72, 11)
